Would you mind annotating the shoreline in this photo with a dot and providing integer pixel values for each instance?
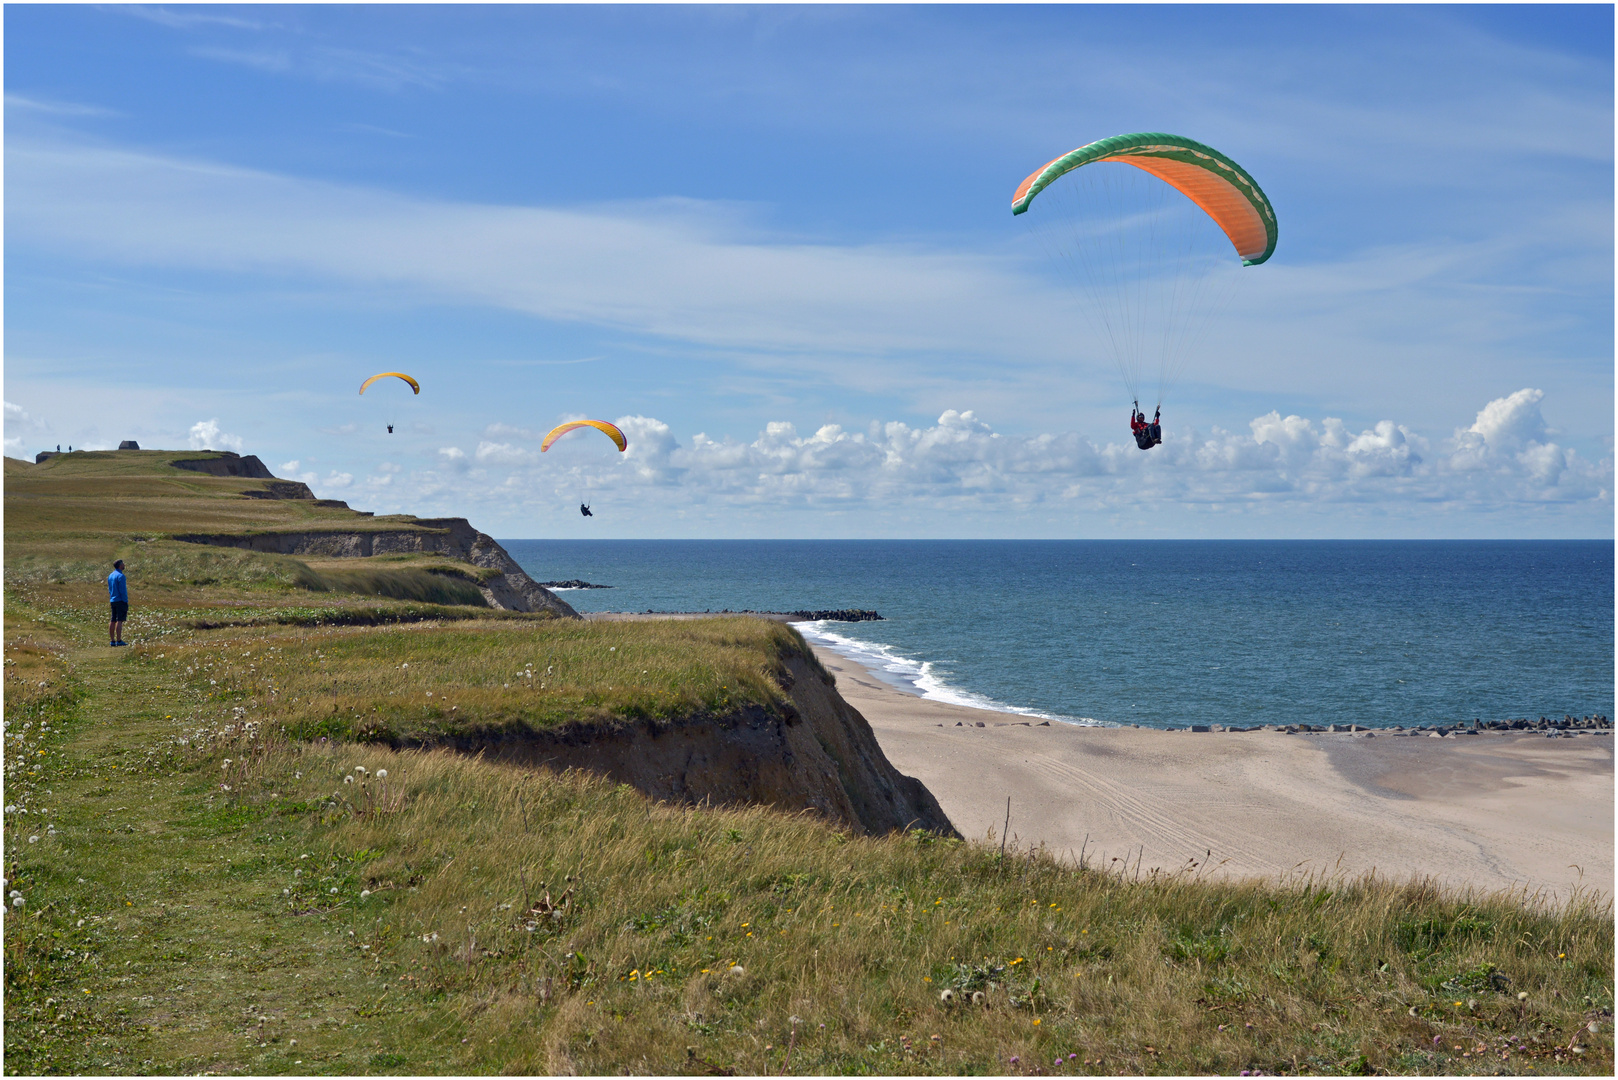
(1517, 811)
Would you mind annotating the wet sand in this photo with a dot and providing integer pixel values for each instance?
(1492, 811)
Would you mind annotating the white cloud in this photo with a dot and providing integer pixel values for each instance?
(205, 435)
(20, 425)
(493, 453)
(962, 461)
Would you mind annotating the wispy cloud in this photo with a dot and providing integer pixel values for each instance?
(48, 107)
(188, 19)
(707, 274)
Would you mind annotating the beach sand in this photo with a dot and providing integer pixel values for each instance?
(1494, 811)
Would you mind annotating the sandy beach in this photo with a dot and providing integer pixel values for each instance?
(1493, 811)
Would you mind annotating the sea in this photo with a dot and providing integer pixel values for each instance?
(1163, 633)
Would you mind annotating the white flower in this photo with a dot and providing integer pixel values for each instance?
(297, 776)
(348, 779)
(737, 969)
(364, 893)
(15, 894)
(404, 665)
(382, 774)
(17, 901)
(334, 890)
(33, 839)
(360, 769)
(947, 997)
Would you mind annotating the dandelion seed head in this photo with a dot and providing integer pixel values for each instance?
(382, 774)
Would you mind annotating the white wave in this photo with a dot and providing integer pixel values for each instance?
(918, 677)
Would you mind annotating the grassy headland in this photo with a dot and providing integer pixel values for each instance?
(228, 877)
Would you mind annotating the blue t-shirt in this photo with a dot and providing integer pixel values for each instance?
(117, 589)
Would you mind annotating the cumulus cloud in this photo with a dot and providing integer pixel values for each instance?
(20, 425)
(205, 435)
(961, 460)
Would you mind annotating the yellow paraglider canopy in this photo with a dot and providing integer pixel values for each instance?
(414, 385)
(609, 430)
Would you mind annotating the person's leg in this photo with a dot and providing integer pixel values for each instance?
(112, 632)
(118, 631)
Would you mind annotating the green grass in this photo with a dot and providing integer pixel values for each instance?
(224, 882)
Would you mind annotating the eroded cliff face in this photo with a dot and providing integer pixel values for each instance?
(821, 756)
(511, 589)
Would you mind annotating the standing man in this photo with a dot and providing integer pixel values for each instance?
(118, 594)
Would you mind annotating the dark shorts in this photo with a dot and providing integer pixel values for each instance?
(120, 610)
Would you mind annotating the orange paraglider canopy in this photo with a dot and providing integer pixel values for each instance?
(414, 385)
(609, 430)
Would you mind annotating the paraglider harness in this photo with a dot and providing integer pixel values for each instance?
(1146, 435)
(585, 510)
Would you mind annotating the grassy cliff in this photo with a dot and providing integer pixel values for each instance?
(222, 868)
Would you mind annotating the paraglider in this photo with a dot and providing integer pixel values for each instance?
(415, 387)
(1146, 435)
(611, 431)
(1152, 268)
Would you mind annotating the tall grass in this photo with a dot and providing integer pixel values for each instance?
(570, 925)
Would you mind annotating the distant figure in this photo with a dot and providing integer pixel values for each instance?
(118, 594)
(390, 429)
(58, 448)
(585, 510)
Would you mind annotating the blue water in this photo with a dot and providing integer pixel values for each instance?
(1165, 633)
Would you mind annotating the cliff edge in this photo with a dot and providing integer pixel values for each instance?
(509, 588)
(821, 756)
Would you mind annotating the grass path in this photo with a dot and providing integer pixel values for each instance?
(156, 937)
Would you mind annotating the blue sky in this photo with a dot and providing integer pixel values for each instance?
(775, 244)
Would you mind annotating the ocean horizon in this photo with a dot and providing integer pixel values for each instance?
(1163, 633)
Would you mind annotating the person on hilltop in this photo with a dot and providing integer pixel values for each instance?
(118, 594)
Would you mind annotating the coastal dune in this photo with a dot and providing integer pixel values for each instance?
(1493, 811)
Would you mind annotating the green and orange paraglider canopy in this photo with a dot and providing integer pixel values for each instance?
(1225, 191)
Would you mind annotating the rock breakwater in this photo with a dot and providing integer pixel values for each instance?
(1568, 725)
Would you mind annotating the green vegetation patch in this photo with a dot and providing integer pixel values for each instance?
(427, 682)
